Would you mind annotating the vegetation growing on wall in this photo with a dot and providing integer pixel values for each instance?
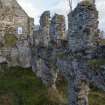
(10, 40)
(95, 64)
(87, 3)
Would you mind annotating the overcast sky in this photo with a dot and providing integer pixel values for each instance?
(35, 8)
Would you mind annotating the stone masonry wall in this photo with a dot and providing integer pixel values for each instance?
(15, 29)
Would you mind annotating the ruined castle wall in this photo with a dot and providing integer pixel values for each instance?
(83, 26)
(13, 15)
(57, 28)
(45, 27)
(15, 28)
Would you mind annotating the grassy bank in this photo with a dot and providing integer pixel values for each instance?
(20, 86)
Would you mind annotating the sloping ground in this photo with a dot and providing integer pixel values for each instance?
(96, 97)
(20, 87)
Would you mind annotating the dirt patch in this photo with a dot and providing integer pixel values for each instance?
(6, 99)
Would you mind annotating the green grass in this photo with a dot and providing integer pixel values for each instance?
(95, 64)
(101, 42)
(97, 97)
(20, 87)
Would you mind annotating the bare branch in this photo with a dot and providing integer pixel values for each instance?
(70, 5)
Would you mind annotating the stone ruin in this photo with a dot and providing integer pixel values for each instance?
(50, 29)
(15, 29)
(83, 27)
(45, 27)
(74, 61)
(57, 28)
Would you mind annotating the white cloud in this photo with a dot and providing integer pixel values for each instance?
(34, 8)
(101, 9)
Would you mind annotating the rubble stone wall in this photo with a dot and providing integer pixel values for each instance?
(15, 29)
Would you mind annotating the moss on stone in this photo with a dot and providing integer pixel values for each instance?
(97, 97)
(62, 55)
(96, 63)
(10, 40)
(102, 42)
(87, 3)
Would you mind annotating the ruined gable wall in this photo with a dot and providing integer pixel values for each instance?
(12, 12)
(15, 27)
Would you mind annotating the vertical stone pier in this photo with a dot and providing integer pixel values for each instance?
(83, 27)
(78, 93)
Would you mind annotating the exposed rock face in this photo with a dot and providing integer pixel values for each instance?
(46, 73)
(44, 56)
(76, 72)
(46, 65)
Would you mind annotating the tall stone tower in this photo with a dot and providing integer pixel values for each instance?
(45, 27)
(83, 28)
(83, 25)
(57, 28)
